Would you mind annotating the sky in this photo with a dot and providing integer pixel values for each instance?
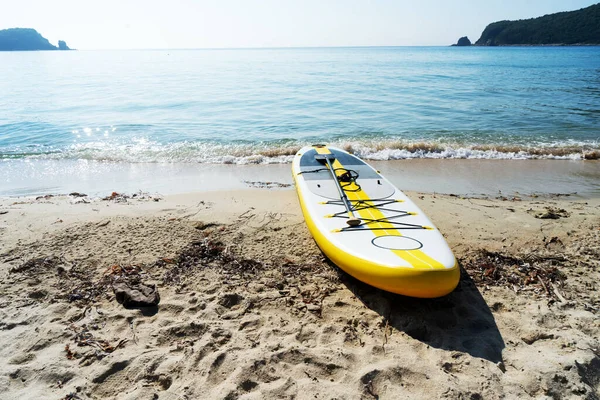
(171, 24)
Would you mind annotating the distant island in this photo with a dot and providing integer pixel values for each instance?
(580, 27)
(463, 41)
(24, 39)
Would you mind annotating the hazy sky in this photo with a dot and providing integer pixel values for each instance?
(129, 24)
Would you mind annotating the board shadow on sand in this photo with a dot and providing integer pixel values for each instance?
(460, 321)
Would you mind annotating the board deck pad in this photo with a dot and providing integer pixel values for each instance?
(395, 247)
(318, 177)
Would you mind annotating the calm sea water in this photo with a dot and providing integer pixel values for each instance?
(260, 106)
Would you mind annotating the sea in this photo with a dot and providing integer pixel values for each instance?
(210, 119)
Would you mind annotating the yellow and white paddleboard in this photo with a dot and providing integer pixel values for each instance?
(369, 228)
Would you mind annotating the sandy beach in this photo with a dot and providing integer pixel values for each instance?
(250, 309)
(152, 244)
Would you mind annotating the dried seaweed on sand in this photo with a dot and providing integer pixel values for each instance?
(529, 272)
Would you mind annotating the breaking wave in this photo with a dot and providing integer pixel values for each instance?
(277, 152)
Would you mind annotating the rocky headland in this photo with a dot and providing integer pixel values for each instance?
(570, 28)
(27, 39)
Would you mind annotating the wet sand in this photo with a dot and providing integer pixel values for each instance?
(463, 177)
(249, 308)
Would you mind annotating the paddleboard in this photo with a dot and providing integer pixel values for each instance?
(369, 228)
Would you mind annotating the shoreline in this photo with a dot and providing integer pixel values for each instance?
(250, 308)
(471, 177)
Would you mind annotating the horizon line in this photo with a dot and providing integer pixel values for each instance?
(257, 47)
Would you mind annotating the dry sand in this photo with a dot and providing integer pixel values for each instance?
(250, 308)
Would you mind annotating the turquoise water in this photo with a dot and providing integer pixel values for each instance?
(260, 106)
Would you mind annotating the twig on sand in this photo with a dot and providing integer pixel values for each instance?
(81, 315)
(245, 212)
(83, 337)
(314, 378)
(557, 293)
(385, 332)
(544, 285)
(132, 324)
